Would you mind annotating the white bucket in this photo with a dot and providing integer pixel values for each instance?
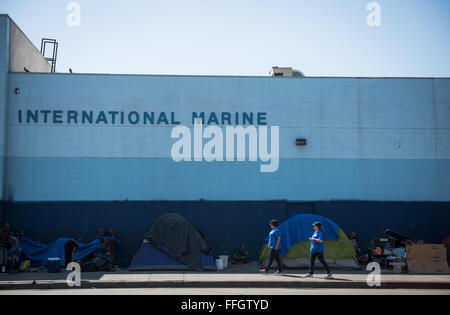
(225, 260)
(219, 264)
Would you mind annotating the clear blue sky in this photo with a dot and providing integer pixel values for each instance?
(243, 37)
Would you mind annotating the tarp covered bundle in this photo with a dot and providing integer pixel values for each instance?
(172, 242)
(295, 244)
(39, 253)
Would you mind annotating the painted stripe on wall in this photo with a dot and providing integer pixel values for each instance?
(227, 225)
(65, 179)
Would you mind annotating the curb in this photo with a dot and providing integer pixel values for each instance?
(222, 284)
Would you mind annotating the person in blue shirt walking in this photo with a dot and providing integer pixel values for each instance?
(317, 250)
(274, 245)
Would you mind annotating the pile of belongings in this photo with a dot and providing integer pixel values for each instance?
(396, 252)
(10, 252)
(389, 249)
(98, 255)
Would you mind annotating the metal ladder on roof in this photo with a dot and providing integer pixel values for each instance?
(54, 52)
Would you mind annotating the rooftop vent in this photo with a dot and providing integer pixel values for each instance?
(286, 72)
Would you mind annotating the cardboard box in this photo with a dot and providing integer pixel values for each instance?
(425, 252)
(427, 259)
(428, 267)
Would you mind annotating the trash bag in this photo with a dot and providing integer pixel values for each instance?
(98, 263)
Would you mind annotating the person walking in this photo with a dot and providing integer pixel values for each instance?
(274, 245)
(317, 250)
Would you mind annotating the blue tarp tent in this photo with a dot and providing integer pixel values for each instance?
(39, 253)
(300, 228)
(295, 245)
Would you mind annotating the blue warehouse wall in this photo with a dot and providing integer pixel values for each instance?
(4, 69)
(368, 139)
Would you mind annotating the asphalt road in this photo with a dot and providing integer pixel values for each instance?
(223, 291)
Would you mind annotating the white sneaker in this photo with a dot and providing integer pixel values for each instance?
(329, 276)
(308, 275)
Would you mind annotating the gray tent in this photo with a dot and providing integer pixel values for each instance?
(173, 243)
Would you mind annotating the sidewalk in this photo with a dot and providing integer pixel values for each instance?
(234, 277)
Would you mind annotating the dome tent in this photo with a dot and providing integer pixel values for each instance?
(295, 244)
(173, 243)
